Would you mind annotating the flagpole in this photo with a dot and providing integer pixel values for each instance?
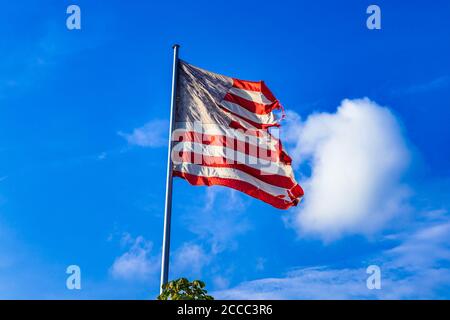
(168, 201)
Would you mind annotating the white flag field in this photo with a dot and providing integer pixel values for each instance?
(224, 135)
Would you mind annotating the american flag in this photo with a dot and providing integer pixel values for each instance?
(224, 135)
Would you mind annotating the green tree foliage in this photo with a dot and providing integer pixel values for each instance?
(183, 289)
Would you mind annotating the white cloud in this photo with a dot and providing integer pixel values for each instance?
(357, 157)
(137, 262)
(153, 134)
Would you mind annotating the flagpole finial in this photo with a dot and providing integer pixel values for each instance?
(176, 45)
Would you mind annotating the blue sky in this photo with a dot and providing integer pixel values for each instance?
(77, 187)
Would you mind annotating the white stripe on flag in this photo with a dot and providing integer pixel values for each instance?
(254, 96)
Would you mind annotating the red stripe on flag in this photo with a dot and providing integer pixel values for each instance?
(258, 86)
(253, 150)
(282, 155)
(239, 185)
(221, 162)
(296, 192)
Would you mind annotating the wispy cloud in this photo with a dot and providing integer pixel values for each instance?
(357, 158)
(153, 134)
(312, 283)
(260, 264)
(190, 258)
(325, 283)
(412, 270)
(222, 219)
(137, 262)
(30, 58)
(216, 226)
(432, 85)
(102, 156)
(221, 282)
(425, 248)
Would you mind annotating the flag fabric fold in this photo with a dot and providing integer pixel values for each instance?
(223, 135)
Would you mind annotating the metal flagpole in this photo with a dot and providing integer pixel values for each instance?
(168, 202)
